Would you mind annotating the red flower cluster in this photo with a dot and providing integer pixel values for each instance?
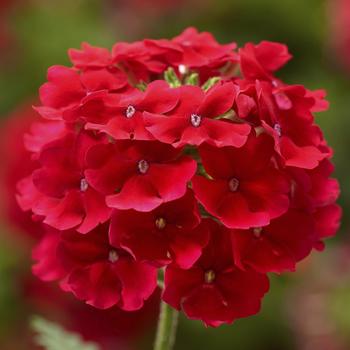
(180, 154)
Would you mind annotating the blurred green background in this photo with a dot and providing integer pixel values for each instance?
(307, 310)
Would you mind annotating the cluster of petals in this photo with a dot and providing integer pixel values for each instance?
(183, 155)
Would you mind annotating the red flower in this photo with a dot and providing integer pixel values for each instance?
(136, 61)
(43, 132)
(316, 193)
(46, 266)
(192, 122)
(139, 175)
(214, 290)
(314, 188)
(286, 115)
(202, 49)
(276, 247)
(171, 232)
(262, 60)
(99, 273)
(127, 121)
(58, 190)
(246, 189)
(137, 138)
(327, 221)
(193, 50)
(16, 163)
(68, 94)
(90, 57)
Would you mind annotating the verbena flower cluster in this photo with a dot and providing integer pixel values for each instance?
(184, 156)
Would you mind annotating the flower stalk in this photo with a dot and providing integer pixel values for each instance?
(166, 329)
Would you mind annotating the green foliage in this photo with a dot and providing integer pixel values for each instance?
(53, 337)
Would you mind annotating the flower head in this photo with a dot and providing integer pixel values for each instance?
(179, 154)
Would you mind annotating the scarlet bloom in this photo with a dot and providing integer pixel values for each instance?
(276, 247)
(138, 175)
(93, 270)
(58, 190)
(136, 61)
(245, 189)
(171, 232)
(214, 290)
(262, 60)
(202, 49)
(90, 57)
(286, 114)
(67, 94)
(192, 121)
(126, 119)
(193, 50)
(16, 165)
(315, 192)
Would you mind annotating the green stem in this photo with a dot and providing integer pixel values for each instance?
(166, 329)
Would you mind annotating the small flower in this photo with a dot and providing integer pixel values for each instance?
(214, 290)
(246, 189)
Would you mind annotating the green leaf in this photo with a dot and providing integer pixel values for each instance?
(171, 78)
(52, 336)
(210, 83)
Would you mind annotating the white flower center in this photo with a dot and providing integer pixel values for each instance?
(143, 166)
(130, 111)
(83, 185)
(233, 184)
(278, 129)
(196, 120)
(113, 256)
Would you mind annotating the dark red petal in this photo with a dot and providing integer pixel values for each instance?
(64, 214)
(209, 305)
(243, 291)
(97, 284)
(187, 246)
(138, 281)
(47, 266)
(171, 179)
(96, 210)
(327, 220)
(179, 283)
